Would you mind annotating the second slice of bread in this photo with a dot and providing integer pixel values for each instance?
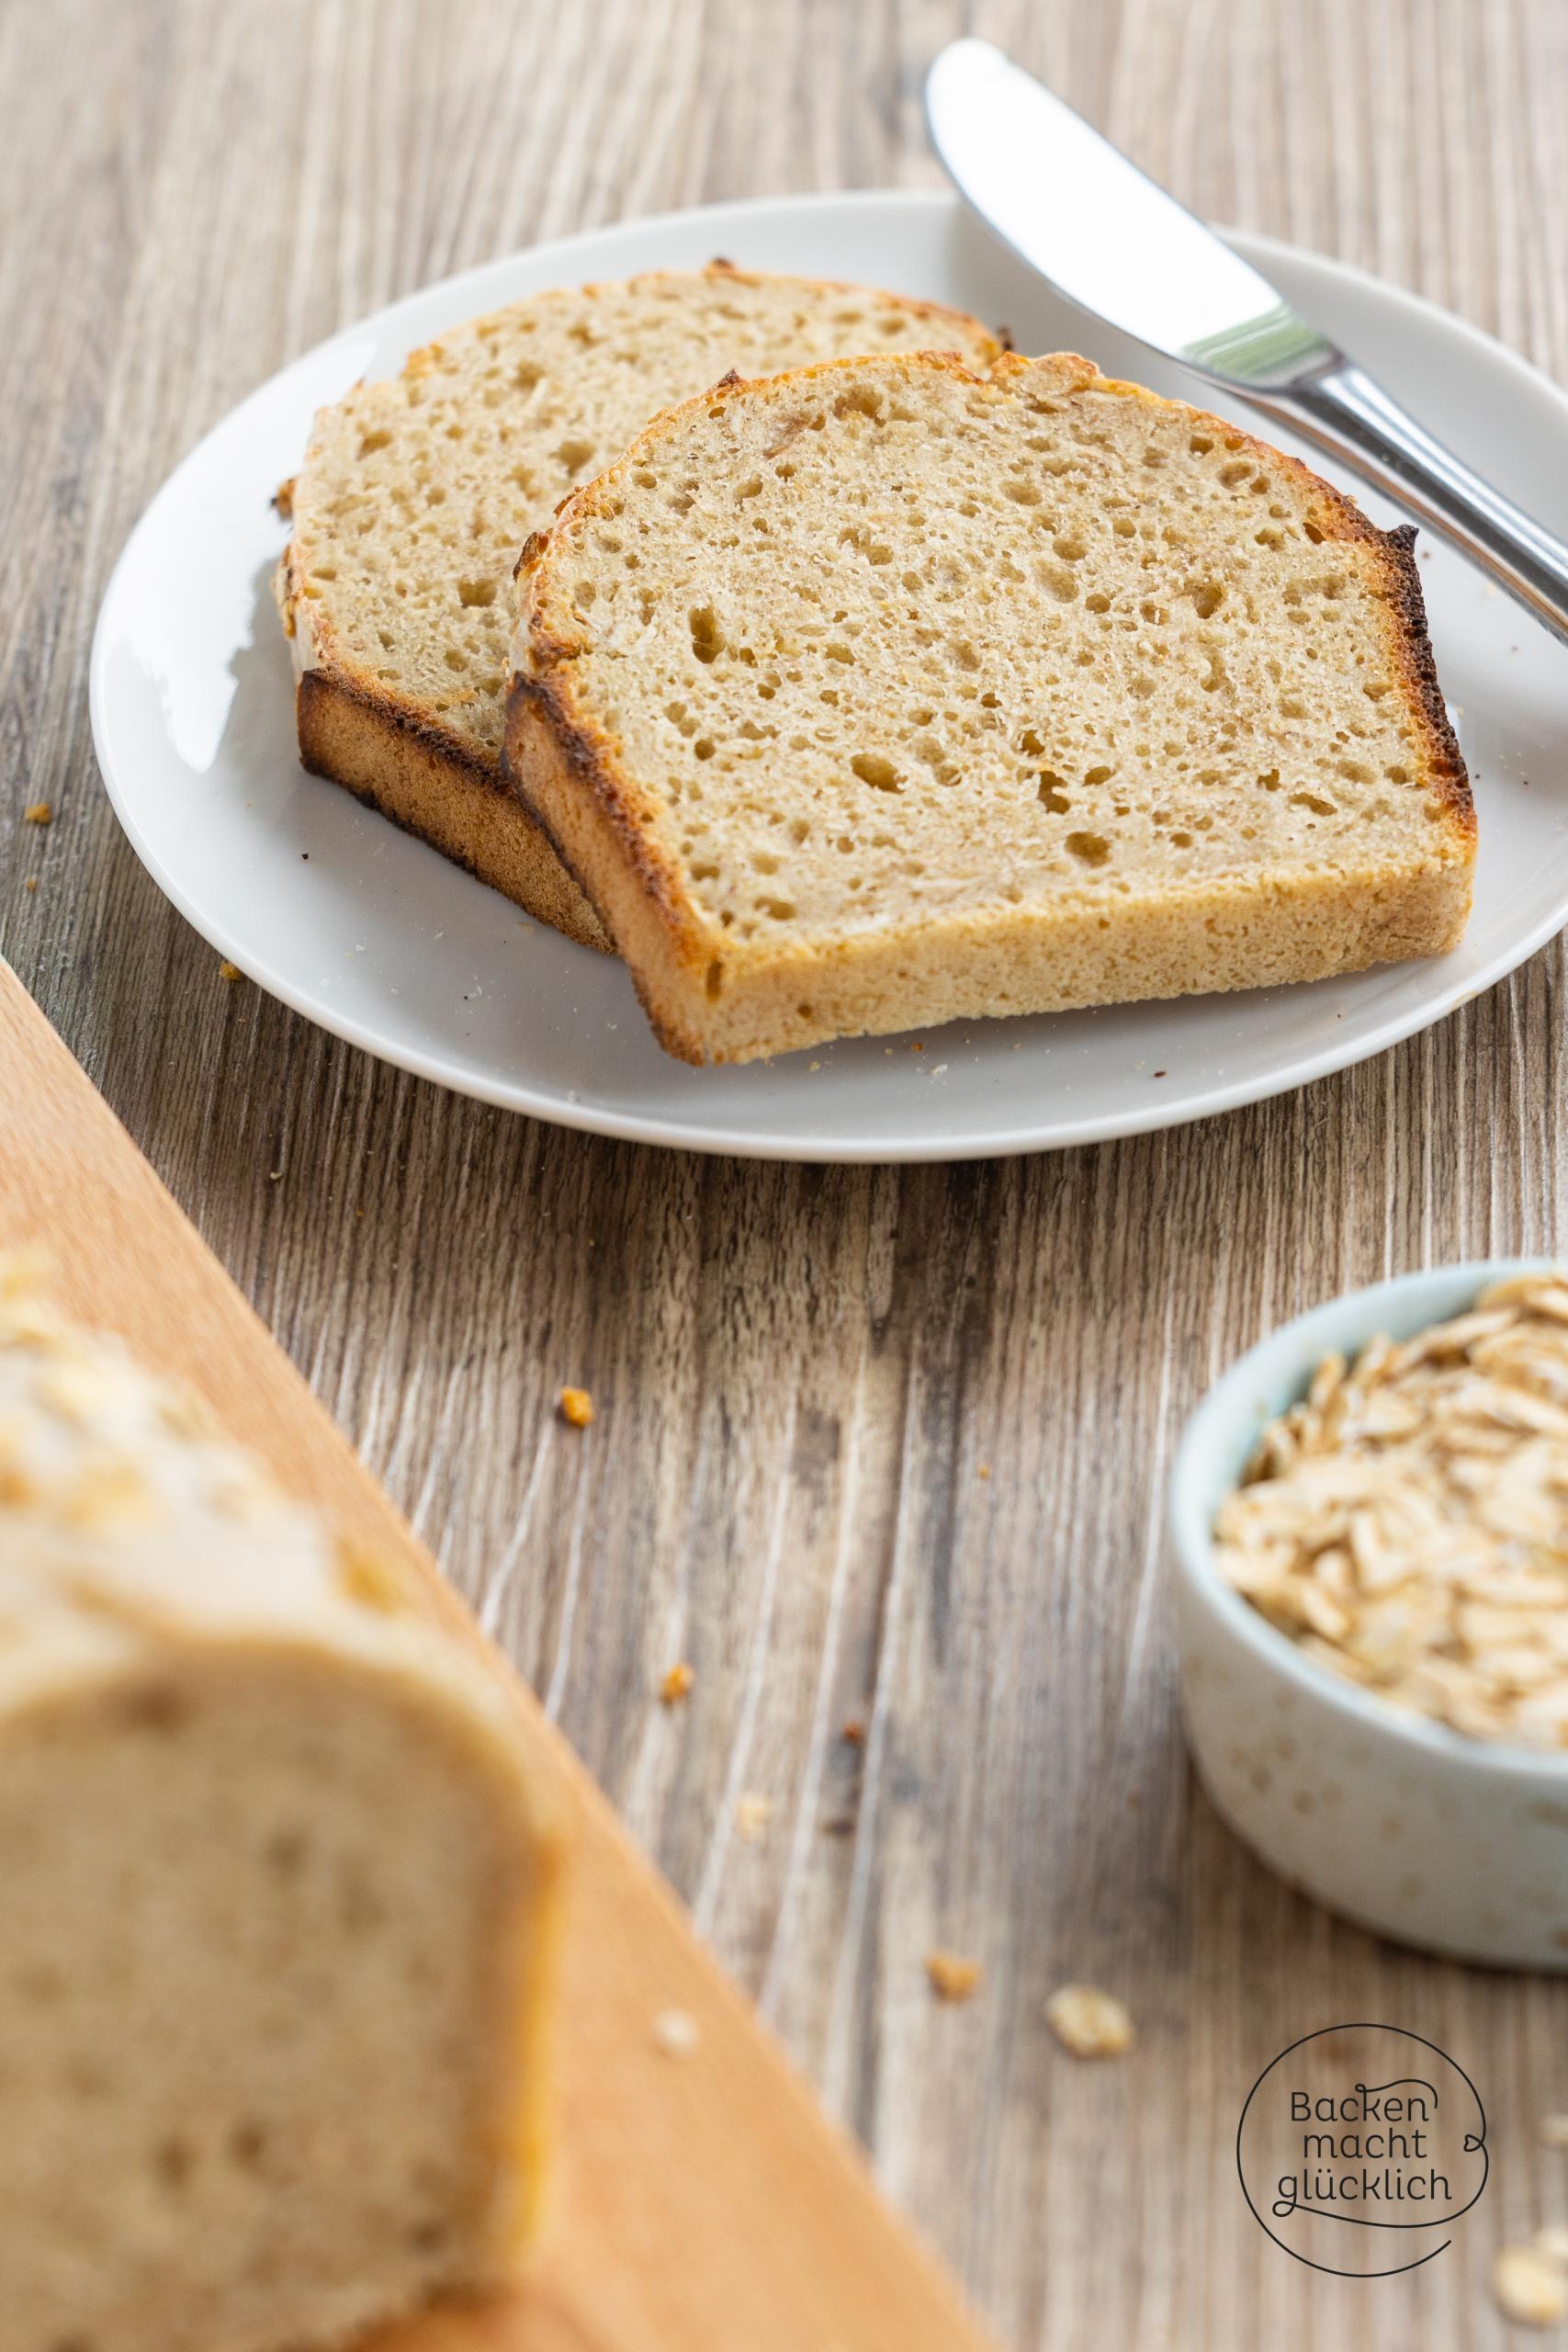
(416, 494)
(881, 693)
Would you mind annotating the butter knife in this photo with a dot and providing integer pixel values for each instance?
(1110, 240)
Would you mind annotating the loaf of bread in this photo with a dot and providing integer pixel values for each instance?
(884, 692)
(416, 494)
(277, 1896)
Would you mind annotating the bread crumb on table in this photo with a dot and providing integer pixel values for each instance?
(676, 1684)
(676, 2032)
(227, 971)
(1090, 2023)
(853, 1733)
(1529, 2285)
(31, 882)
(37, 813)
(576, 1406)
(953, 1977)
(752, 1814)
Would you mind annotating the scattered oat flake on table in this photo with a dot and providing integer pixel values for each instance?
(954, 1978)
(576, 1406)
(1090, 2023)
(676, 1683)
(675, 2031)
(752, 1814)
(37, 813)
(1529, 2285)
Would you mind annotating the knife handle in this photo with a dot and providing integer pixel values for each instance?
(1343, 411)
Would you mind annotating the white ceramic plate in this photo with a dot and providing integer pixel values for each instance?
(380, 940)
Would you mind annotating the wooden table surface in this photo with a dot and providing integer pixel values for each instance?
(802, 1376)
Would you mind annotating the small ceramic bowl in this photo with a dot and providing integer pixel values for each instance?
(1406, 1828)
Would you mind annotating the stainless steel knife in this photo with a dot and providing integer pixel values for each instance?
(1113, 243)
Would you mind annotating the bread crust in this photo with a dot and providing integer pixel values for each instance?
(570, 776)
(395, 755)
(396, 763)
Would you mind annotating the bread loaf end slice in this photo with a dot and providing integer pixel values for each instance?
(884, 692)
(281, 1896)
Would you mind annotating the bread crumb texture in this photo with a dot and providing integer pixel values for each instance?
(676, 1684)
(1090, 2023)
(37, 813)
(576, 1406)
(277, 1890)
(882, 692)
(416, 494)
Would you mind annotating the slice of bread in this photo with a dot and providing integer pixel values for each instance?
(415, 496)
(884, 692)
(277, 1896)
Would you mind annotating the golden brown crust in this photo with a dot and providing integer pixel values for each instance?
(1414, 648)
(641, 904)
(570, 775)
(410, 772)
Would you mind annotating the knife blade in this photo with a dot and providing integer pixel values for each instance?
(1117, 245)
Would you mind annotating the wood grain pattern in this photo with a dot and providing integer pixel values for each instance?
(697, 2200)
(801, 1372)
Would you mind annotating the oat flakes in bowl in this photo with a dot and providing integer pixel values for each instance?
(1370, 1513)
(1408, 1521)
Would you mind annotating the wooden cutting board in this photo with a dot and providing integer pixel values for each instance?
(701, 2203)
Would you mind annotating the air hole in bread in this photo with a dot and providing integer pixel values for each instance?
(874, 768)
(707, 637)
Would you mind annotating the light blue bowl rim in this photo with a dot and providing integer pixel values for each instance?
(1221, 1434)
